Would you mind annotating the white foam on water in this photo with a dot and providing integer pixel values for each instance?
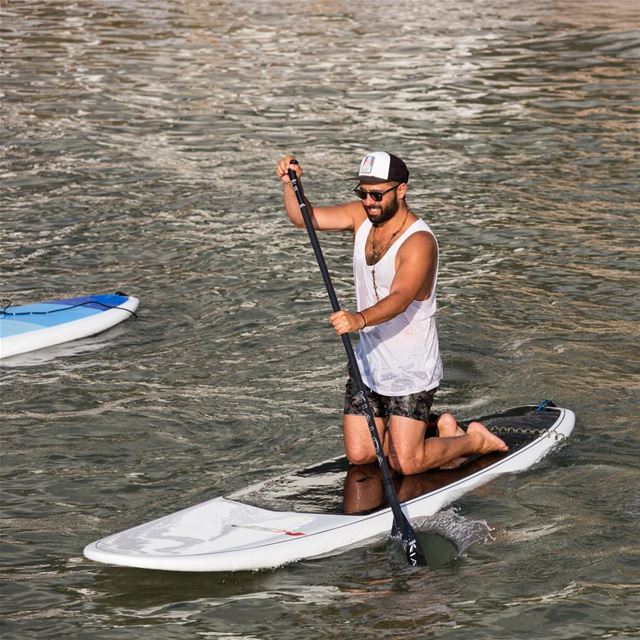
(461, 531)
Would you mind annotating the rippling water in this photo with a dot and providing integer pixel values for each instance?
(139, 140)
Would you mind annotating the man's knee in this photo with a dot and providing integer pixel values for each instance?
(360, 455)
(359, 450)
(403, 463)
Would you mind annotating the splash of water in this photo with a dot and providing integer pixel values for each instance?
(459, 530)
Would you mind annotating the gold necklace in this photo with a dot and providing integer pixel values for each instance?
(377, 254)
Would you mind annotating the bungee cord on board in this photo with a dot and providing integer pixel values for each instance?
(6, 303)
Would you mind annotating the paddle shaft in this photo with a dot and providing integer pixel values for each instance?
(413, 550)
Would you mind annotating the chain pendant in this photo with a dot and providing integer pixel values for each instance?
(377, 255)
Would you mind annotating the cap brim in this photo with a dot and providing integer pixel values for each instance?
(369, 180)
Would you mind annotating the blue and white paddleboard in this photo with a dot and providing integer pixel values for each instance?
(322, 509)
(29, 327)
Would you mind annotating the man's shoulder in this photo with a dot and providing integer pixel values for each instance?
(421, 240)
(420, 231)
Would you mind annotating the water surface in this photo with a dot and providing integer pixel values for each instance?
(139, 141)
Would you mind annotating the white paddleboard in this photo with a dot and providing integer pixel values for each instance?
(305, 514)
(25, 328)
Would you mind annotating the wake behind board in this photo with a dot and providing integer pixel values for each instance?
(322, 509)
(26, 328)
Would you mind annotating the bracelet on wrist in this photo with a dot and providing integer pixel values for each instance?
(364, 320)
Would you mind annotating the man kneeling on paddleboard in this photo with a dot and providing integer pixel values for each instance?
(395, 265)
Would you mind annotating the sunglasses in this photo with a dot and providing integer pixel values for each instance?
(377, 196)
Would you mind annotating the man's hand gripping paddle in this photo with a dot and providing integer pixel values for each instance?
(401, 525)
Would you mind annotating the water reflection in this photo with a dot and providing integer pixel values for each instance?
(364, 490)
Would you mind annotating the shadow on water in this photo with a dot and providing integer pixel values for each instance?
(141, 589)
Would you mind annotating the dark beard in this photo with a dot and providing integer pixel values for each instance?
(386, 213)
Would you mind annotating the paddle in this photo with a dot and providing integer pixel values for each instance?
(413, 550)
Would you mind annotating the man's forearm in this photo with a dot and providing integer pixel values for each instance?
(292, 207)
(386, 309)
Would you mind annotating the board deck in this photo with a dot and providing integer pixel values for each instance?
(25, 328)
(323, 509)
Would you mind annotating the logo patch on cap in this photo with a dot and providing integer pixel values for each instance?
(367, 165)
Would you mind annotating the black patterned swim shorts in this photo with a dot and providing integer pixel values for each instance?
(416, 406)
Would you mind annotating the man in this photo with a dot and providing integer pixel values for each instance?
(395, 263)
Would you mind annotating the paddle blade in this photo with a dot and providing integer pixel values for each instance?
(410, 543)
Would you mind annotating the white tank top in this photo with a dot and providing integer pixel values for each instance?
(400, 356)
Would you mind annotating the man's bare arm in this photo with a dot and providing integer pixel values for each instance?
(341, 217)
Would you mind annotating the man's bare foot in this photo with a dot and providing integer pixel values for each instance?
(488, 442)
(448, 426)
